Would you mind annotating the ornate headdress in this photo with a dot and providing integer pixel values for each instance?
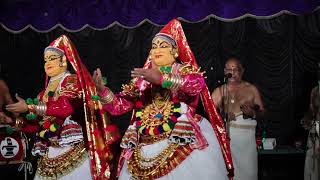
(99, 134)
(166, 37)
(173, 30)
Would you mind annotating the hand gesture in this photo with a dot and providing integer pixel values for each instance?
(152, 75)
(231, 116)
(5, 119)
(19, 107)
(97, 77)
(248, 109)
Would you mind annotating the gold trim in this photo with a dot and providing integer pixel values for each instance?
(54, 168)
(160, 165)
(108, 98)
(242, 126)
(147, 139)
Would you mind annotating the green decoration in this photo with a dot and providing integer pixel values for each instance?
(36, 101)
(29, 101)
(31, 116)
(50, 93)
(104, 79)
(166, 69)
(9, 130)
(95, 97)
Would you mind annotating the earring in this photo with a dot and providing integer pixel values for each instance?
(62, 64)
(176, 55)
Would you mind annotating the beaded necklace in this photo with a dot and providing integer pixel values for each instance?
(160, 116)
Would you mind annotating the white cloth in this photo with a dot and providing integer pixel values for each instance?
(311, 165)
(243, 148)
(206, 164)
(83, 172)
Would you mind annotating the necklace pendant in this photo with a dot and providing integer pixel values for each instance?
(232, 101)
(159, 116)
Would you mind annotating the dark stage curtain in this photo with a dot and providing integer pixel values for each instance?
(280, 55)
(42, 15)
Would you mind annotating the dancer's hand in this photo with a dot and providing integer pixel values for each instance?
(152, 75)
(97, 77)
(19, 107)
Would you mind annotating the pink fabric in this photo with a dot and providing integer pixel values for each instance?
(192, 84)
(127, 155)
(118, 106)
(201, 141)
(104, 93)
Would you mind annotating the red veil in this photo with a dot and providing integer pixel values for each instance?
(174, 29)
(99, 133)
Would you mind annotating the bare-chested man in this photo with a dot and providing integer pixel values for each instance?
(242, 103)
(310, 122)
(5, 98)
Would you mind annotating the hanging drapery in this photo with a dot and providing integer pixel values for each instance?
(75, 15)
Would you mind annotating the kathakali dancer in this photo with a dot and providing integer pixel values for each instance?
(72, 134)
(166, 138)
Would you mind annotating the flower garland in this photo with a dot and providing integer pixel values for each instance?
(50, 124)
(165, 125)
(50, 127)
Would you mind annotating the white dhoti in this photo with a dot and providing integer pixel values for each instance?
(311, 166)
(243, 148)
(82, 172)
(206, 164)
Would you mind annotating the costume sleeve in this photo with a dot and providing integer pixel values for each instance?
(187, 80)
(115, 104)
(29, 125)
(62, 107)
(192, 84)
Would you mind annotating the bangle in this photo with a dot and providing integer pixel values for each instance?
(171, 81)
(107, 98)
(31, 108)
(41, 109)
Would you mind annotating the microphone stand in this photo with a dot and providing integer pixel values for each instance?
(225, 95)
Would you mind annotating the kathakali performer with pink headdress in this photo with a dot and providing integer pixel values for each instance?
(166, 139)
(73, 136)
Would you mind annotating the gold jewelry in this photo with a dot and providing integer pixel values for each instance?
(141, 166)
(62, 64)
(160, 165)
(145, 139)
(175, 79)
(108, 98)
(40, 109)
(54, 168)
(159, 105)
(52, 86)
(19, 122)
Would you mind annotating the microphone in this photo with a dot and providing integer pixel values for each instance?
(228, 75)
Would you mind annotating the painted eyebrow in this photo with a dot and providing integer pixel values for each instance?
(53, 56)
(164, 42)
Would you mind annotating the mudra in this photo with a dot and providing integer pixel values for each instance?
(166, 138)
